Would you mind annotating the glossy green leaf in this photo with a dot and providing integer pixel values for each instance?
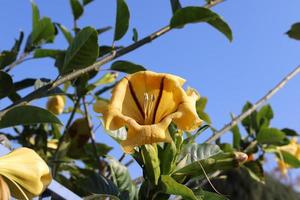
(294, 31)
(42, 53)
(127, 67)
(151, 161)
(192, 14)
(43, 32)
(6, 84)
(220, 161)
(122, 179)
(175, 4)
(35, 14)
(82, 52)
(264, 116)
(222, 26)
(67, 34)
(77, 9)
(24, 115)
(170, 186)
(270, 136)
(135, 36)
(289, 132)
(122, 20)
(194, 152)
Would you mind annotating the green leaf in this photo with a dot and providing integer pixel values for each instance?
(220, 161)
(100, 196)
(289, 132)
(264, 116)
(85, 2)
(201, 104)
(7, 58)
(255, 170)
(82, 52)
(206, 195)
(77, 9)
(135, 36)
(270, 136)
(167, 158)
(236, 136)
(294, 32)
(221, 26)
(191, 14)
(6, 84)
(175, 4)
(122, 179)
(122, 20)
(151, 161)
(43, 32)
(103, 30)
(290, 159)
(127, 67)
(250, 121)
(170, 186)
(105, 79)
(204, 116)
(95, 183)
(24, 115)
(35, 14)
(194, 152)
(67, 34)
(42, 53)
(192, 138)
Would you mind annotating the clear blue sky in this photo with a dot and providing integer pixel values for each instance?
(227, 73)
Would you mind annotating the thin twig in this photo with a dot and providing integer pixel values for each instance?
(129, 162)
(122, 157)
(103, 60)
(92, 135)
(18, 61)
(259, 103)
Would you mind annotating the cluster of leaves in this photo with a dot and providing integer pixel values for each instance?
(82, 164)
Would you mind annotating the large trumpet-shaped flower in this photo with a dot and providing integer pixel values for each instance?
(146, 103)
(23, 174)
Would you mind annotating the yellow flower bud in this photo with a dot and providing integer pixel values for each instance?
(56, 104)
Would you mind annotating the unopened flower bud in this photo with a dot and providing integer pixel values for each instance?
(56, 104)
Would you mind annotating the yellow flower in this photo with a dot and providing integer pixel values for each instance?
(23, 174)
(100, 105)
(56, 104)
(146, 103)
(282, 167)
(294, 149)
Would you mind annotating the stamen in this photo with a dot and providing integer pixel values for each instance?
(148, 106)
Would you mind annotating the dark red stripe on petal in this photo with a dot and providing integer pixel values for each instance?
(161, 88)
(133, 94)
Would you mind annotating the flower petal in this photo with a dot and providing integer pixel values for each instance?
(146, 134)
(24, 167)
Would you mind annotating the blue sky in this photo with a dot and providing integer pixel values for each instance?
(227, 73)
